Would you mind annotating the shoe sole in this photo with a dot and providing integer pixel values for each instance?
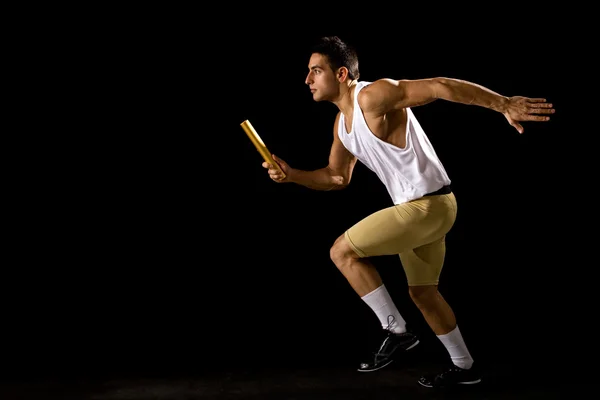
(389, 362)
(457, 383)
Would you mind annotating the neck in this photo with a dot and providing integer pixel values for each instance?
(344, 102)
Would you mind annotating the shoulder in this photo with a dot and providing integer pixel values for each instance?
(375, 88)
(372, 95)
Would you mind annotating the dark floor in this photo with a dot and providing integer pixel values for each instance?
(398, 381)
(530, 365)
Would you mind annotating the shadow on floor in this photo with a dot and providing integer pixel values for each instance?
(398, 381)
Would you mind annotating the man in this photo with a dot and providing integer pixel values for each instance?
(376, 125)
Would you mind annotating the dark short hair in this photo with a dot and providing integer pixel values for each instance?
(338, 53)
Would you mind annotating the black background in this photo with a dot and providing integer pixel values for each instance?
(152, 240)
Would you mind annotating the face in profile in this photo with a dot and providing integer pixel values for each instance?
(321, 78)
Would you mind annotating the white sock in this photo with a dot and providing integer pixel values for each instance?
(454, 343)
(381, 303)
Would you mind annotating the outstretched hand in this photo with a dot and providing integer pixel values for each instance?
(521, 109)
(274, 173)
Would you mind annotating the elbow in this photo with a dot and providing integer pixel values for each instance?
(340, 182)
(441, 88)
(339, 178)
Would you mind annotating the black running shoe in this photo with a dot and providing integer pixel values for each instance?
(452, 377)
(393, 344)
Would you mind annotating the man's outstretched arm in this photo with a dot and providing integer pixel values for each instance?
(385, 95)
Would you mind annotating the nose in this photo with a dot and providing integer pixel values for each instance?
(308, 79)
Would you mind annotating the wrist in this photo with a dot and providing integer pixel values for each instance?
(500, 105)
(290, 175)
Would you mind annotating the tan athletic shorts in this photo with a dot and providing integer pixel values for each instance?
(416, 231)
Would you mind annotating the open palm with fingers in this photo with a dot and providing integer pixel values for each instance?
(521, 109)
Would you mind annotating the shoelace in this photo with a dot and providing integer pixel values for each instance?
(391, 319)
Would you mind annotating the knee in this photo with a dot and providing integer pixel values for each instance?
(341, 252)
(423, 296)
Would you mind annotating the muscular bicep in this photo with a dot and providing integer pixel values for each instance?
(385, 95)
(341, 161)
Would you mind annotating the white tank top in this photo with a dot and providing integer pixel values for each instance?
(407, 173)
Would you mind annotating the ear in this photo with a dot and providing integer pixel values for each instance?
(342, 74)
